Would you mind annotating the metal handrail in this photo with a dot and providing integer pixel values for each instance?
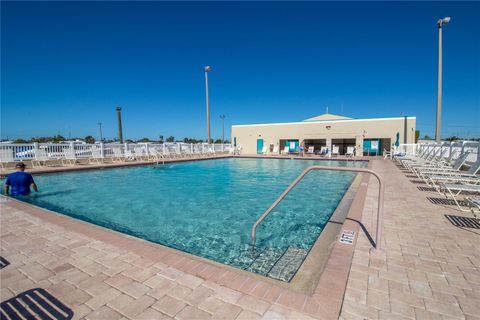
(381, 191)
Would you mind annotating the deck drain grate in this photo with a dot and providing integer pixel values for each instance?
(3, 262)
(465, 222)
(34, 304)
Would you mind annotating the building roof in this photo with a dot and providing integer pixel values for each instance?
(327, 117)
(313, 122)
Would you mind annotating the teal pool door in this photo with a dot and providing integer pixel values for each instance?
(259, 146)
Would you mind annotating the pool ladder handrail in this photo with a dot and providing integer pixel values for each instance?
(381, 191)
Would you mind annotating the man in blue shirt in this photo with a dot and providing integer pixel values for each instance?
(20, 182)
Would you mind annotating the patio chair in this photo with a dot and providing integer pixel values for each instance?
(455, 189)
(97, 156)
(211, 150)
(275, 150)
(186, 153)
(140, 153)
(286, 150)
(41, 158)
(350, 152)
(310, 150)
(469, 176)
(335, 150)
(118, 154)
(6, 157)
(264, 150)
(69, 157)
(129, 155)
(323, 151)
(387, 154)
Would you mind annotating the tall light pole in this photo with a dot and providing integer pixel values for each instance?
(223, 128)
(101, 135)
(207, 70)
(119, 120)
(440, 24)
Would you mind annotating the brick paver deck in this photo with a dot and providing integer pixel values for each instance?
(430, 268)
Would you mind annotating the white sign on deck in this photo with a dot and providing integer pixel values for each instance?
(347, 237)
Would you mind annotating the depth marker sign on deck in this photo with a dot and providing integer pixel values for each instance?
(347, 237)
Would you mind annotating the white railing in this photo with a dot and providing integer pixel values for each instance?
(447, 150)
(13, 152)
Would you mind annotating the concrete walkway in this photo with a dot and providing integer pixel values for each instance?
(430, 270)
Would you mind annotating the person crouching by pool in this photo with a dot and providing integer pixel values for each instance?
(19, 182)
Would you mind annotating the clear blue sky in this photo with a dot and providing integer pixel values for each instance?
(66, 65)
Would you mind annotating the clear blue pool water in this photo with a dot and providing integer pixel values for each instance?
(206, 208)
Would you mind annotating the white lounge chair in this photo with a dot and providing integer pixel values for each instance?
(264, 150)
(473, 204)
(430, 170)
(286, 150)
(454, 190)
(275, 150)
(469, 176)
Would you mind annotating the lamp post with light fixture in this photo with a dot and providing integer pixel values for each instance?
(207, 70)
(440, 24)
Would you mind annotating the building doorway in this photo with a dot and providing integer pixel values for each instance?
(259, 146)
(292, 144)
(343, 145)
(317, 144)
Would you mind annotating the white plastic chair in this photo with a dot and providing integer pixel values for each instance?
(350, 152)
(41, 158)
(96, 156)
(69, 157)
(335, 150)
(6, 156)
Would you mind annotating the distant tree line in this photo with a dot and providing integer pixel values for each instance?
(90, 139)
(451, 138)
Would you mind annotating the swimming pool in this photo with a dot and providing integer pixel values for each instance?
(207, 208)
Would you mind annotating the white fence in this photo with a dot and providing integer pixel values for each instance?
(447, 150)
(12, 152)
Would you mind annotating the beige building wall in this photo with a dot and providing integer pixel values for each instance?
(359, 129)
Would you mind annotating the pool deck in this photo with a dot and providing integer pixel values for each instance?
(429, 270)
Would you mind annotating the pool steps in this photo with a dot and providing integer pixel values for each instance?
(274, 263)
